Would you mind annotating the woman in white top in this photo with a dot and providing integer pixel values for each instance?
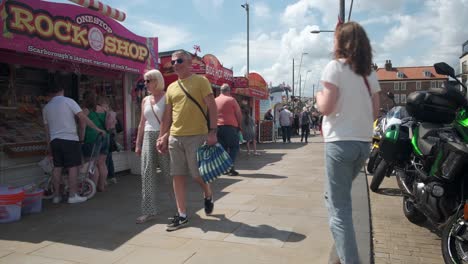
(152, 109)
(349, 102)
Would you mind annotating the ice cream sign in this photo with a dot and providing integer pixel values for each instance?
(70, 31)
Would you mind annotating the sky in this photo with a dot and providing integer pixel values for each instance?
(407, 32)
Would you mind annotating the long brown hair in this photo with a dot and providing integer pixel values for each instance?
(352, 44)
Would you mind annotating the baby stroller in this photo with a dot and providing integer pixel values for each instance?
(86, 187)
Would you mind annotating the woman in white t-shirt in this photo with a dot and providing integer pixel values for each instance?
(152, 109)
(349, 102)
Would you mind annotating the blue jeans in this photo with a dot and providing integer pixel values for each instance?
(228, 137)
(344, 160)
(286, 131)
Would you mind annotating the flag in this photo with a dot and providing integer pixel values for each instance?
(196, 48)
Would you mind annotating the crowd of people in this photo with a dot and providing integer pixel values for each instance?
(175, 123)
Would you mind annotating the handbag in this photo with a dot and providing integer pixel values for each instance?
(213, 161)
(195, 101)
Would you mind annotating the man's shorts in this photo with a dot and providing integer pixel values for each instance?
(228, 136)
(183, 152)
(103, 150)
(66, 153)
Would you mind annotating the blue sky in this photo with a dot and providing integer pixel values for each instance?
(408, 32)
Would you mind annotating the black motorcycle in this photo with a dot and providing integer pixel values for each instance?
(430, 155)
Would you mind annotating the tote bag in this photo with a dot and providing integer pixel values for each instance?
(212, 162)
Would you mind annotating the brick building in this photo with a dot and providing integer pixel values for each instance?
(402, 81)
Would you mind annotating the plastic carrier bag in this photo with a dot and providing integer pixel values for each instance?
(212, 162)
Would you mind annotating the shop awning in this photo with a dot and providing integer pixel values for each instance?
(254, 86)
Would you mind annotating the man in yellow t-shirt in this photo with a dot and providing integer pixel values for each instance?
(184, 129)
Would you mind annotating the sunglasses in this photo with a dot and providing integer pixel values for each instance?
(179, 61)
(148, 81)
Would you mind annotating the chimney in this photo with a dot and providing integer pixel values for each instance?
(374, 66)
(388, 65)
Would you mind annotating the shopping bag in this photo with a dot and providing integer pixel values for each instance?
(46, 164)
(241, 138)
(212, 162)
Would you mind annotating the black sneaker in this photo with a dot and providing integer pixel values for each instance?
(233, 172)
(176, 223)
(209, 205)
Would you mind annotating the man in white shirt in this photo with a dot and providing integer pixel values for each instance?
(64, 143)
(285, 120)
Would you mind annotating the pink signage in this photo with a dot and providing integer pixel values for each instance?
(73, 34)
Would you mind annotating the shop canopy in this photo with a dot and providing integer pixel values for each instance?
(253, 86)
(74, 35)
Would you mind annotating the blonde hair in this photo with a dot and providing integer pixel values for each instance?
(155, 75)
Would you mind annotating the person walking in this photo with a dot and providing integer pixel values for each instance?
(229, 120)
(184, 128)
(63, 140)
(349, 102)
(152, 109)
(305, 124)
(248, 131)
(285, 120)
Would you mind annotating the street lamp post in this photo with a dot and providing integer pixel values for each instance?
(299, 72)
(305, 81)
(246, 7)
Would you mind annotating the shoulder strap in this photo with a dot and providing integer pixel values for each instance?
(367, 85)
(195, 101)
(152, 109)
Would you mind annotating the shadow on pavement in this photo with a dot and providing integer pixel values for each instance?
(262, 176)
(107, 220)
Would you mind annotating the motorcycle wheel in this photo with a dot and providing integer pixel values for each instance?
(87, 188)
(455, 240)
(411, 213)
(374, 160)
(379, 175)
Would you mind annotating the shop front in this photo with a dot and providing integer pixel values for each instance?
(250, 92)
(94, 53)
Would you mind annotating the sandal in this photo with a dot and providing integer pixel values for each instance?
(145, 218)
(256, 154)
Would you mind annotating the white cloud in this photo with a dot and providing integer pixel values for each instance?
(170, 37)
(261, 10)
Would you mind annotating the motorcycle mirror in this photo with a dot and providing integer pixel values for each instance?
(445, 69)
(390, 95)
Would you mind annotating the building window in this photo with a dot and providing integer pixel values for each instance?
(418, 85)
(396, 86)
(397, 98)
(403, 98)
(440, 84)
(400, 75)
(433, 84)
(427, 73)
(403, 86)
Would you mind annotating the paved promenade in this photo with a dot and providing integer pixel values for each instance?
(272, 213)
(396, 240)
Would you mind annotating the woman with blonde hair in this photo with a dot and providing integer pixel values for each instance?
(152, 109)
(349, 102)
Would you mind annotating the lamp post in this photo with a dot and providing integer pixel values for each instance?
(246, 7)
(299, 72)
(320, 31)
(305, 81)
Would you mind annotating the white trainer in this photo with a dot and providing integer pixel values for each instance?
(76, 199)
(57, 199)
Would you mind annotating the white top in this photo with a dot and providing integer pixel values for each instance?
(352, 117)
(152, 123)
(59, 116)
(285, 117)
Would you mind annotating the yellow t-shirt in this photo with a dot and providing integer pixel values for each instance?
(187, 119)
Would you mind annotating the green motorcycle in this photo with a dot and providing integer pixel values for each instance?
(429, 154)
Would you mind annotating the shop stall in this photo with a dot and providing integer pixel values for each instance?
(94, 53)
(249, 92)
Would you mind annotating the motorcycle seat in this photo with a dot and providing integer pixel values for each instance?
(428, 137)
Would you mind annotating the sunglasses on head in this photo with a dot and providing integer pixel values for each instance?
(179, 61)
(148, 81)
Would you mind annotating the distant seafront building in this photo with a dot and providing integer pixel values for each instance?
(402, 81)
